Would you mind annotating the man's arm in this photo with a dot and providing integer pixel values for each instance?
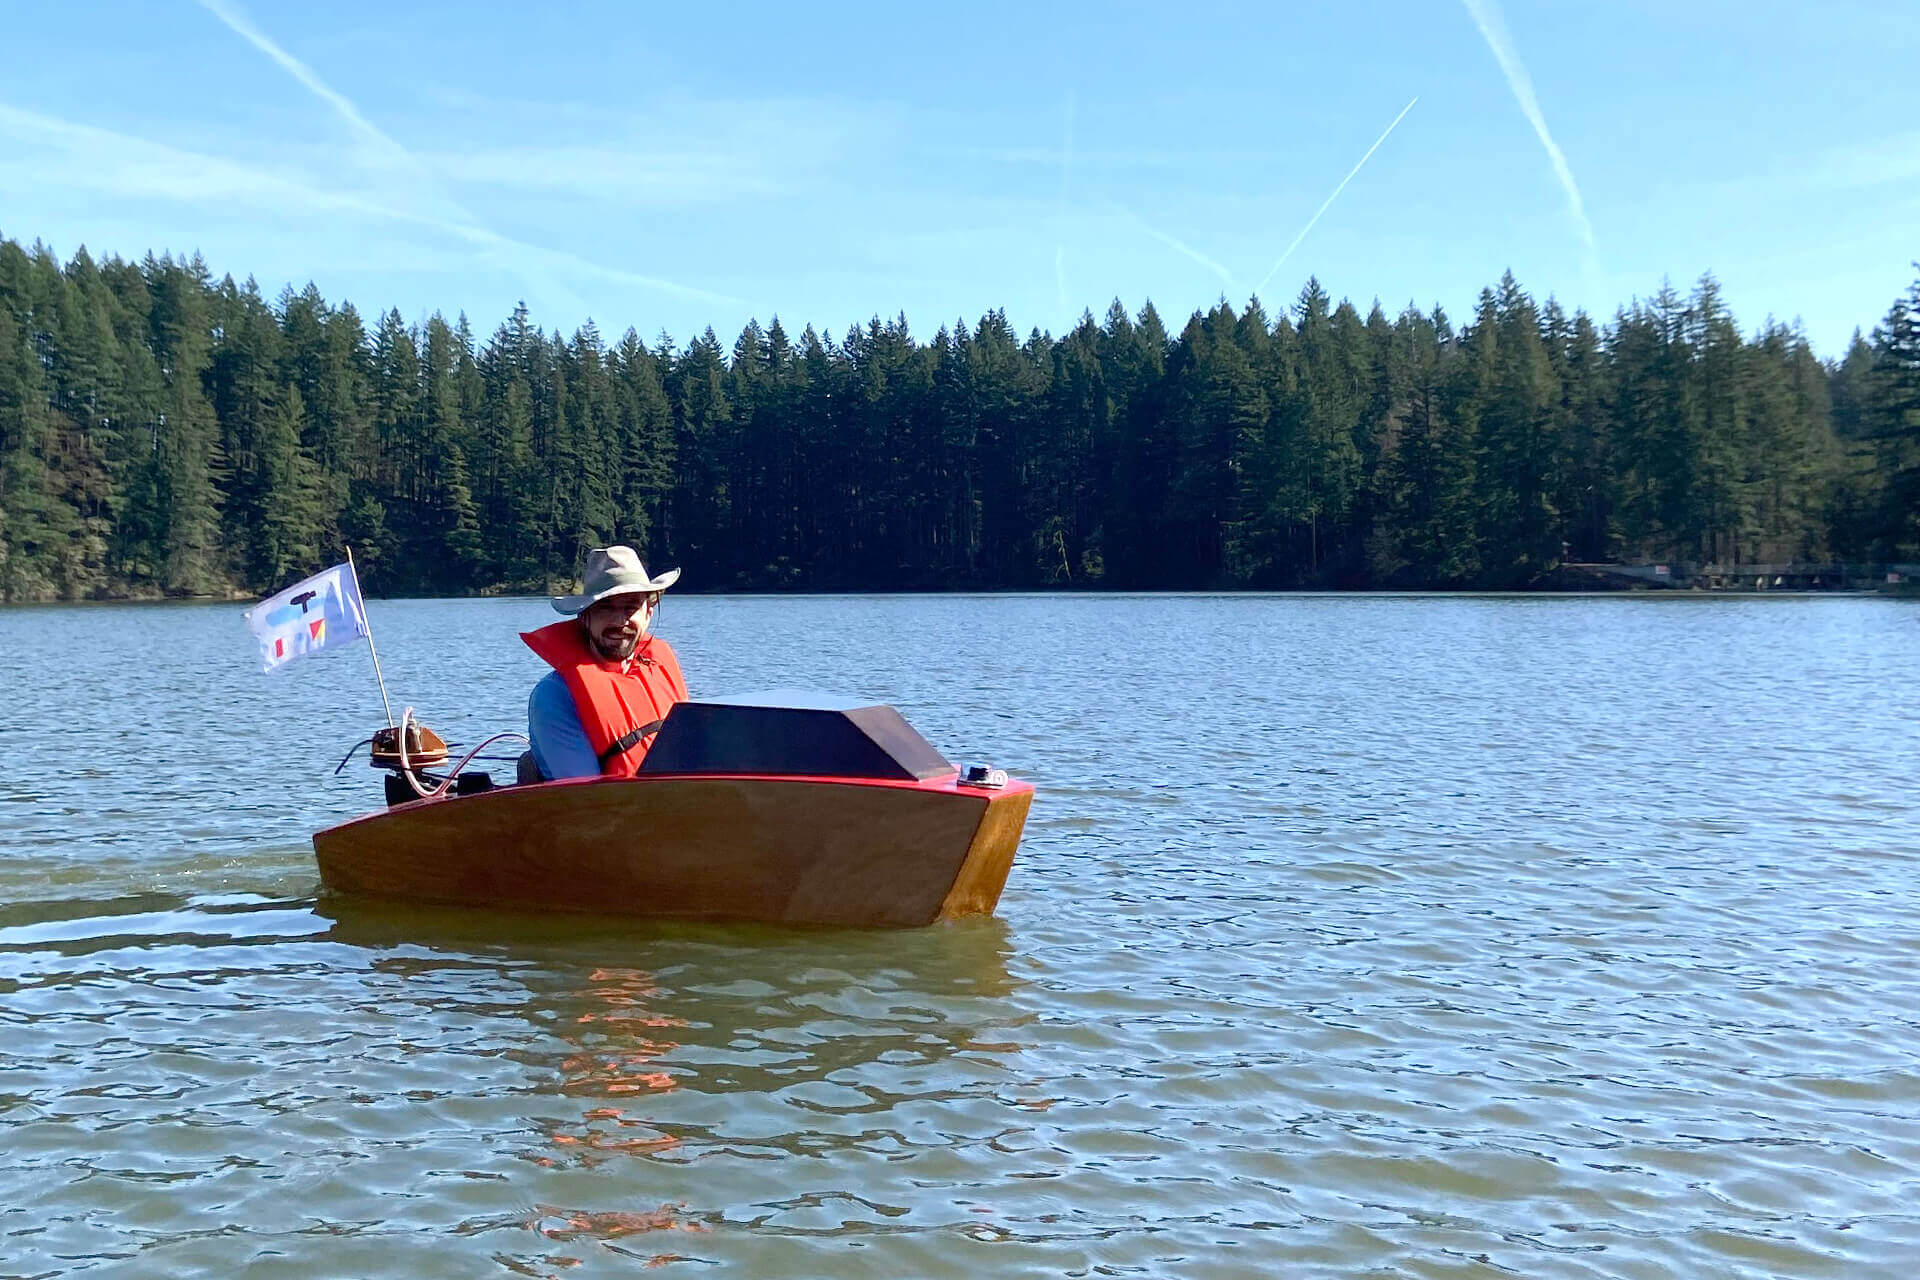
(560, 745)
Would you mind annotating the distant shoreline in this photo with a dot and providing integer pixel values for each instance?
(1909, 588)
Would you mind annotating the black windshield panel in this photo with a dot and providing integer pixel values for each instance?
(792, 732)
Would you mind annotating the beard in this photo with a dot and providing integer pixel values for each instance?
(616, 648)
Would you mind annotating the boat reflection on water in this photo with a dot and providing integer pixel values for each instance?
(675, 1043)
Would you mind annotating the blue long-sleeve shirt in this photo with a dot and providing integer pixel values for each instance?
(560, 745)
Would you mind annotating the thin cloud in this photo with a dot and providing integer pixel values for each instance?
(1328, 202)
(664, 151)
(1493, 29)
(1177, 245)
(1085, 156)
(1871, 163)
(517, 254)
(127, 167)
(608, 173)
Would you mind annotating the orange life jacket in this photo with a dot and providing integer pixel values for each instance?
(618, 709)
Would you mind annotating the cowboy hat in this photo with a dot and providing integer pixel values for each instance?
(613, 571)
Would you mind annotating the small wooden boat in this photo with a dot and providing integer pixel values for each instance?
(780, 808)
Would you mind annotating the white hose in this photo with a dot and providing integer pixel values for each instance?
(406, 769)
(468, 758)
(400, 747)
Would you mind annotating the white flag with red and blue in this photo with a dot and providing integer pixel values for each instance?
(311, 616)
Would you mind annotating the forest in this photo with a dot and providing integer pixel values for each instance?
(165, 433)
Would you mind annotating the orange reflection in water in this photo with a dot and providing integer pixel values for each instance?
(620, 1052)
(557, 1223)
(625, 1065)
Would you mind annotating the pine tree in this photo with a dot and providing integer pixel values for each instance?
(1895, 428)
(384, 512)
(1428, 537)
(1133, 357)
(91, 402)
(822, 475)
(1722, 425)
(245, 389)
(1222, 416)
(580, 457)
(700, 503)
(1587, 494)
(644, 447)
(288, 536)
(506, 475)
(1002, 389)
(781, 469)
(747, 461)
(324, 358)
(1659, 422)
(30, 515)
(188, 465)
(1318, 472)
(1518, 456)
(1785, 466)
(1080, 410)
(135, 549)
(447, 538)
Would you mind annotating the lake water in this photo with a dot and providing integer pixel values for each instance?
(1350, 935)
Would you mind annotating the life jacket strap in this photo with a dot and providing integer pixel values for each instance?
(628, 741)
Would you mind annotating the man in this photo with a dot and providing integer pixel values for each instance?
(612, 681)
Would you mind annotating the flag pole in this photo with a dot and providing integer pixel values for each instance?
(367, 622)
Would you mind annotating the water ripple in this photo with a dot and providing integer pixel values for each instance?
(1414, 937)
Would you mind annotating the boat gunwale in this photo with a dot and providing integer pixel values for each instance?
(949, 784)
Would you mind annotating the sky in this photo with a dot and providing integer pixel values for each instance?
(671, 168)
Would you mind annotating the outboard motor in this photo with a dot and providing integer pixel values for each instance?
(425, 748)
(408, 750)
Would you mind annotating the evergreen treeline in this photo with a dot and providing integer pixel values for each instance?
(165, 433)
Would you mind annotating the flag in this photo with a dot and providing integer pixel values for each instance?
(311, 616)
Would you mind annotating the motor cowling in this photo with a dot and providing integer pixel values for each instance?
(425, 748)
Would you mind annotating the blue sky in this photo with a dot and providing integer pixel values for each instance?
(674, 167)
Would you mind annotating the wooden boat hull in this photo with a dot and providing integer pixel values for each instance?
(785, 850)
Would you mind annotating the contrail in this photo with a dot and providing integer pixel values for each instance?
(465, 225)
(1178, 246)
(1328, 203)
(1493, 29)
(243, 27)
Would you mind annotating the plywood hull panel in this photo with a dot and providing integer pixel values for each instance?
(780, 850)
